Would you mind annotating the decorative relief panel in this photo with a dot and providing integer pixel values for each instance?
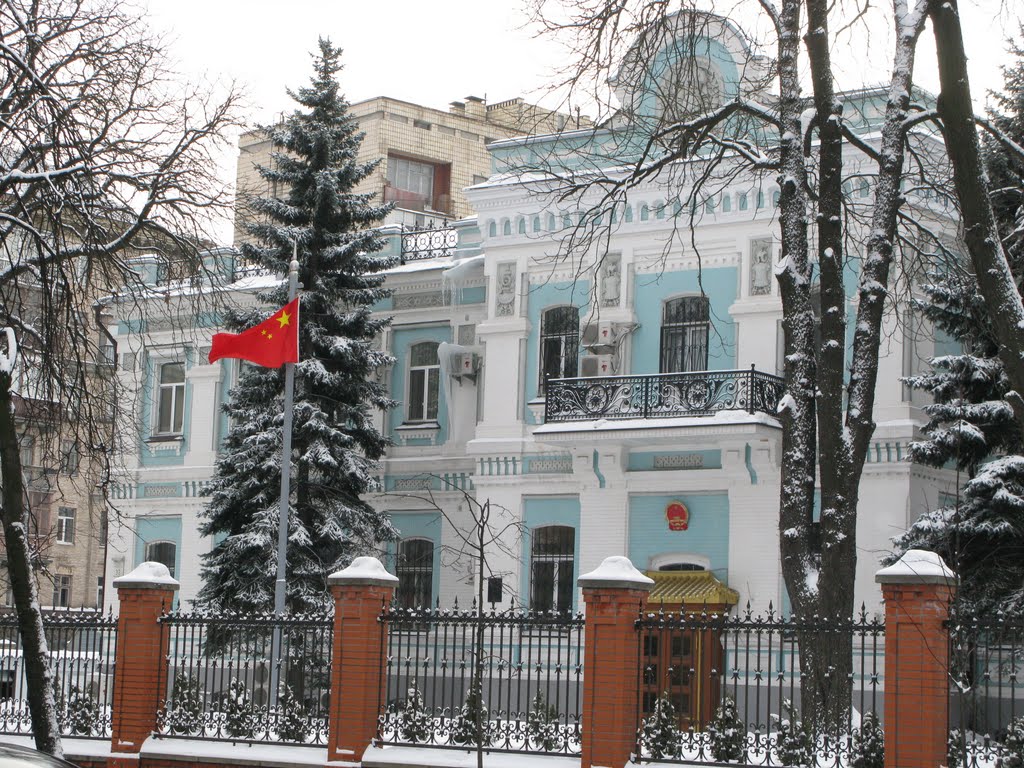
(611, 280)
(558, 465)
(418, 300)
(761, 267)
(506, 294)
(684, 461)
(412, 483)
(467, 335)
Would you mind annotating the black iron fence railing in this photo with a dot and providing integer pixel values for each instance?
(222, 683)
(661, 395)
(986, 708)
(511, 681)
(429, 243)
(82, 650)
(723, 689)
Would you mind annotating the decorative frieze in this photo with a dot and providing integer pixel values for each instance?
(679, 461)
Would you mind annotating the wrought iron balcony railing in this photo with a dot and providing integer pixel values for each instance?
(429, 243)
(661, 395)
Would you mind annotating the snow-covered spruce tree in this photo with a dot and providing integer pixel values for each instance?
(1012, 755)
(793, 745)
(185, 715)
(82, 712)
(414, 723)
(868, 747)
(543, 726)
(659, 733)
(334, 442)
(470, 725)
(728, 733)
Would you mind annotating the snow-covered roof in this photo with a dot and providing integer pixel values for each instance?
(616, 571)
(917, 566)
(614, 425)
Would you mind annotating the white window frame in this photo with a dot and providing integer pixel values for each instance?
(66, 525)
(176, 392)
(414, 176)
(147, 553)
(62, 583)
(431, 380)
(558, 559)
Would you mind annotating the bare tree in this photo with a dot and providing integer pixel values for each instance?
(486, 530)
(767, 126)
(103, 154)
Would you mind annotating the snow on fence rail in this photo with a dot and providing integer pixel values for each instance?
(986, 713)
(718, 688)
(220, 678)
(523, 692)
(82, 649)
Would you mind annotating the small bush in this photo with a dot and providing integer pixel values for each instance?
(292, 722)
(185, 715)
(543, 725)
(238, 714)
(728, 733)
(659, 733)
(413, 721)
(82, 712)
(868, 747)
(472, 717)
(793, 743)
(1012, 755)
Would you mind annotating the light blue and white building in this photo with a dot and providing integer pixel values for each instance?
(618, 400)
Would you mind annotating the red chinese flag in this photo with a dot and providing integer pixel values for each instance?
(271, 344)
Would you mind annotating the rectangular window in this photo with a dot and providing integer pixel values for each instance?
(424, 382)
(99, 592)
(685, 328)
(68, 457)
(66, 525)
(62, 591)
(410, 183)
(28, 451)
(414, 568)
(551, 568)
(171, 399)
(559, 344)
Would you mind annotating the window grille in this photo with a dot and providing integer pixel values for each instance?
(559, 344)
(414, 568)
(551, 568)
(685, 327)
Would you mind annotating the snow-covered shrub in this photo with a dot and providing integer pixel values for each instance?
(956, 749)
(659, 733)
(793, 744)
(868, 747)
(543, 726)
(82, 712)
(1012, 755)
(185, 715)
(413, 722)
(238, 714)
(292, 723)
(728, 732)
(472, 717)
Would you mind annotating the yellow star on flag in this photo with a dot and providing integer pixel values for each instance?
(264, 331)
(270, 335)
(284, 318)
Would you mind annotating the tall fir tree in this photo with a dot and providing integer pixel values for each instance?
(335, 444)
(970, 422)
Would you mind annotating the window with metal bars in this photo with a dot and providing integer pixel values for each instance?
(559, 344)
(551, 568)
(685, 327)
(414, 568)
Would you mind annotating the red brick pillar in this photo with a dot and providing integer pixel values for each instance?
(140, 674)
(358, 681)
(917, 590)
(613, 596)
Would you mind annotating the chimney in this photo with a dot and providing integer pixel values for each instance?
(475, 108)
(457, 107)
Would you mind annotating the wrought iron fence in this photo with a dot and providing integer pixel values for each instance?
(662, 395)
(986, 708)
(521, 692)
(717, 689)
(224, 680)
(82, 648)
(429, 243)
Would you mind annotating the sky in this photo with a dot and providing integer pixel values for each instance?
(435, 52)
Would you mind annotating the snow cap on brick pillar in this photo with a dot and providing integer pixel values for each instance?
(614, 593)
(140, 668)
(360, 593)
(917, 590)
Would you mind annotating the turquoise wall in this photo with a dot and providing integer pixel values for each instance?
(642, 461)
(402, 341)
(720, 286)
(419, 525)
(539, 512)
(147, 416)
(150, 529)
(708, 534)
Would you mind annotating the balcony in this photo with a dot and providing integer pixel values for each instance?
(662, 396)
(430, 243)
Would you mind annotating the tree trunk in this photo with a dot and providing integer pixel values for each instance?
(39, 675)
(995, 281)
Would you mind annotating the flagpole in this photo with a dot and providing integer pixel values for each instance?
(286, 467)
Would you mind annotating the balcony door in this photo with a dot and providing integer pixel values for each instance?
(685, 326)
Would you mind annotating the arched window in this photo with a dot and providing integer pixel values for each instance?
(685, 323)
(536, 223)
(776, 196)
(551, 222)
(164, 552)
(743, 201)
(645, 212)
(726, 203)
(424, 382)
(559, 344)
(414, 567)
(506, 227)
(492, 229)
(551, 568)
(521, 226)
(628, 214)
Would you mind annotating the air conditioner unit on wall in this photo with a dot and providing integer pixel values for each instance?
(597, 365)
